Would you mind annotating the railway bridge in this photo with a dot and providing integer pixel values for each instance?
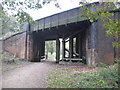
(87, 41)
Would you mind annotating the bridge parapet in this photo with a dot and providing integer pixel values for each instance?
(63, 18)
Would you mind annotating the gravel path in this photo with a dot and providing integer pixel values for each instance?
(33, 75)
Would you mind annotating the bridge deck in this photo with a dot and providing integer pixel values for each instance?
(63, 18)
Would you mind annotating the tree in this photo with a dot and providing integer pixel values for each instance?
(8, 24)
(105, 14)
(19, 8)
(50, 46)
(11, 10)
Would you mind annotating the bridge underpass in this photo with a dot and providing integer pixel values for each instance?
(92, 44)
(66, 26)
(66, 33)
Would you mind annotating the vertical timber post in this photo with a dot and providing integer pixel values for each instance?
(40, 51)
(57, 50)
(71, 47)
(43, 48)
(63, 48)
(26, 41)
(79, 45)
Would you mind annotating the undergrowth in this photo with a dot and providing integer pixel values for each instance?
(106, 77)
(9, 61)
(7, 57)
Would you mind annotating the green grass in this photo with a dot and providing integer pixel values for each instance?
(59, 79)
(51, 56)
(9, 68)
(64, 78)
(7, 59)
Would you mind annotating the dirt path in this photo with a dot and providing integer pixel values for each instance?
(33, 75)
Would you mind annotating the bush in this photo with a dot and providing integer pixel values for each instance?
(7, 57)
(103, 65)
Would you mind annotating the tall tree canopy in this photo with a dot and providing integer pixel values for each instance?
(13, 12)
(18, 8)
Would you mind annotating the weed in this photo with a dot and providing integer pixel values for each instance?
(105, 78)
(102, 65)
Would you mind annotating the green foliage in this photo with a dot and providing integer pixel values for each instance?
(67, 69)
(50, 46)
(117, 61)
(7, 57)
(103, 65)
(24, 17)
(2, 13)
(59, 79)
(102, 12)
(8, 24)
(115, 44)
(51, 56)
(20, 5)
(19, 8)
(105, 78)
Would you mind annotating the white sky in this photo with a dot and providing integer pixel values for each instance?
(50, 9)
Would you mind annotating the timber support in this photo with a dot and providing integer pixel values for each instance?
(63, 48)
(57, 50)
(71, 47)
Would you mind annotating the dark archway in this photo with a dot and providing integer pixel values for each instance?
(66, 33)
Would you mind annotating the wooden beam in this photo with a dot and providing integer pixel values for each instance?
(79, 46)
(57, 50)
(63, 48)
(39, 51)
(66, 41)
(26, 45)
(72, 35)
(79, 59)
(71, 47)
(43, 48)
(74, 53)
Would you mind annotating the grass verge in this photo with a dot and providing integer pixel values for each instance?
(10, 61)
(104, 77)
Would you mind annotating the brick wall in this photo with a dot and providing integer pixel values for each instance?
(16, 45)
(105, 48)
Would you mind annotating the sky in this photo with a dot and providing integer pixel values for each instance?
(50, 9)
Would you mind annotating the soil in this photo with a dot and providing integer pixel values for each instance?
(32, 75)
(35, 74)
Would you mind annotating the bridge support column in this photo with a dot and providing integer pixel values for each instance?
(63, 48)
(79, 45)
(39, 52)
(57, 50)
(71, 47)
(43, 48)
